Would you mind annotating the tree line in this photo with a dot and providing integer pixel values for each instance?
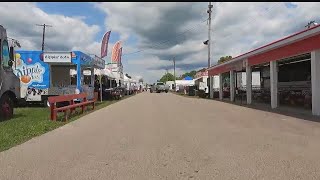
(169, 77)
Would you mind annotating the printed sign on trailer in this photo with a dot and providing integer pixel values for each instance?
(61, 57)
(33, 74)
(31, 70)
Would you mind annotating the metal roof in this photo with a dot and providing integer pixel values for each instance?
(276, 44)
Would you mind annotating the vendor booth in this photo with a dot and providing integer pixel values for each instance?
(127, 83)
(78, 66)
(108, 77)
(44, 74)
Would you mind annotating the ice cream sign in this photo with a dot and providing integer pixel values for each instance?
(29, 73)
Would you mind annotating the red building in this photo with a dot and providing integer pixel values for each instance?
(275, 62)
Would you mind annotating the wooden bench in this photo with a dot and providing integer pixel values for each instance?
(70, 98)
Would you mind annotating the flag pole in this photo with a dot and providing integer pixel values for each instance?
(104, 50)
(100, 88)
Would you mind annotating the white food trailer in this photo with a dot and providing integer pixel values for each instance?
(44, 74)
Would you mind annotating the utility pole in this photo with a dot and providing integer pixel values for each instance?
(174, 74)
(167, 75)
(209, 44)
(209, 34)
(43, 33)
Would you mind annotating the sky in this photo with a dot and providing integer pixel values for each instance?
(153, 33)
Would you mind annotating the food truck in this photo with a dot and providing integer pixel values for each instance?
(10, 84)
(45, 74)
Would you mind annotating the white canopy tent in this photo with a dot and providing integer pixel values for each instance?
(117, 76)
(105, 72)
(126, 79)
(108, 73)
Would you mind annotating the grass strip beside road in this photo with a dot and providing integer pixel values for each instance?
(30, 122)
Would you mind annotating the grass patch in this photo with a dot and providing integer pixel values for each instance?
(30, 122)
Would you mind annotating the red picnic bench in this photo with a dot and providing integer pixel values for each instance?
(70, 98)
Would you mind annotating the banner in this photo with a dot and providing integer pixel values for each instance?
(104, 44)
(115, 52)
(120, 55)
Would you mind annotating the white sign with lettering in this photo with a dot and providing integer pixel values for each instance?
(98, 62)
(57, 57)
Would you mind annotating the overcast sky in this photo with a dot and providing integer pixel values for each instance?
(153, 33)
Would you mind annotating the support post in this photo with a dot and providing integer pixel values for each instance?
(92, 76)
(79, 78)
(249, 83)
(100, 88)
(274, 84)
(231, 85)
(211, 87)
(315, 82)
(220, 87)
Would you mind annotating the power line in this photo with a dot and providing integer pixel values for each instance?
(43, 33)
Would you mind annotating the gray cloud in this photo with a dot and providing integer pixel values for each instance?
(237, 28)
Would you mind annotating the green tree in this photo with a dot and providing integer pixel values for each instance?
(167, 77)
(224, 59)
(191, 74)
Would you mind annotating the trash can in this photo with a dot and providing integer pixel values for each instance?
(191, 90)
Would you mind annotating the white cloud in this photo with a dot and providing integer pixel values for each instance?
(20, 20)
(236, 29)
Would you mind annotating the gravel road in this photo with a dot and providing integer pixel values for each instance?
(166, 136)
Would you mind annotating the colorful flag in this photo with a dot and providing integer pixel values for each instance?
(104, 44)
(115, 52)
(119, 56)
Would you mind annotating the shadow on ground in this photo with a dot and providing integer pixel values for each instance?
(287, 111)
(283, 110)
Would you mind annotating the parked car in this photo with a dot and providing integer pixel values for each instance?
(159, 87)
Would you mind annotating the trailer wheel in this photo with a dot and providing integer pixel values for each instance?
(6, 108)
(46, 103)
